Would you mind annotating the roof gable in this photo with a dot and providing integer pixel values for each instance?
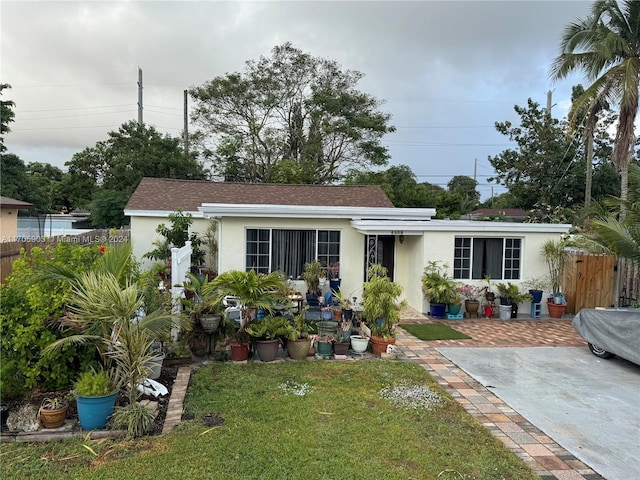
(6, 202)
(170, 195)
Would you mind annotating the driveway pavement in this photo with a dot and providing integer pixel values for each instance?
(589, 406)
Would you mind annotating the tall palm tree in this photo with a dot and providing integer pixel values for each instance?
(606, 47)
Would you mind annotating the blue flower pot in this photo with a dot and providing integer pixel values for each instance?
(94, 412)
(438, 310)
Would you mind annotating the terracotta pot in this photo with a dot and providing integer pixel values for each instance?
(53, 418)
(239, 352)
(379, 344)
(555, 310)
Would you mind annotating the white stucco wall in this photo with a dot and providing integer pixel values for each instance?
(411, 256)
(440, 246)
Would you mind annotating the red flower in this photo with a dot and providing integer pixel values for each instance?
(102, 248)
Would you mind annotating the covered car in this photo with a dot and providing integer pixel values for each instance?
(610, 332)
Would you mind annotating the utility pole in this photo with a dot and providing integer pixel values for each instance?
(549, 93)
(139, 96)
(475, 170)
(186, 125)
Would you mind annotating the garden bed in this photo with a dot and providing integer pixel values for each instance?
(167, 378)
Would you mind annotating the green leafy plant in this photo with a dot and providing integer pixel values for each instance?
(555, 254)
(299, 328)
(31, 297)
(95, 383)
(177, 235)
(252, 290)
(380, 305)
(512, 293)
(438, 286)
(313, 272)
(53, 403)
(269, 328)
(135, 418)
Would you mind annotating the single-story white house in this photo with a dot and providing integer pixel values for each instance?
(281, 227)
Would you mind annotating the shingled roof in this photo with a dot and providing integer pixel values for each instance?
(6, 202)
(169, 195)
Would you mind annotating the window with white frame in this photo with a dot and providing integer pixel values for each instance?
(273, 249)
(478, 257)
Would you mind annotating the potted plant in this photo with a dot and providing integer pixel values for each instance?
(313, 272)
(298, 341)
(204, 304)
(454, 303)
(253, 291)
(471, 295)
(53, 412)
(237, 339)
(381, 308)
(511, 296)
(438, 287)
(555, 255)
(537, 286)
(267, 333)
(344, 301)
(333, 272)
(324, 345)
(95, 392)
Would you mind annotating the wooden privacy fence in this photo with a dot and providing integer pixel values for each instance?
(10, 251)
(589, 281)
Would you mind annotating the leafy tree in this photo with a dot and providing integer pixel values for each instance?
(399, 183)
(107, 209)
(290, 117)
(46, 189)
(543, 168)
(13, 181)
(606, 47)
(133, 152)
(463, 189)
(6, 116)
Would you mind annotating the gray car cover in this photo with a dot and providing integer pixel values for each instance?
(614, 330)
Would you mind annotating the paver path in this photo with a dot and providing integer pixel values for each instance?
(547, 458)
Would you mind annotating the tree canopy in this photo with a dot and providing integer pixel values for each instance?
(290, 117)
(132, 152)
(547, 166)
(6, 116)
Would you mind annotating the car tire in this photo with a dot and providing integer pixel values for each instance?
(599, 352)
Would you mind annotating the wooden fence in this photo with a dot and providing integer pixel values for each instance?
(600, 281)
(10, 251)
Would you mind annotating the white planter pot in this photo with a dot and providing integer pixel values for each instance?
(359, 344)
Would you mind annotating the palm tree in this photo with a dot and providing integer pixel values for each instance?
(620, 237)
(606, 47)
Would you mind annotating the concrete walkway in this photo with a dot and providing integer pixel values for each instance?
(547, 458)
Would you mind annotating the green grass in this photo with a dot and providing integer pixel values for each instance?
(433, 331)
(343, 427)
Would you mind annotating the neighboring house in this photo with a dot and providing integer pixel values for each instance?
(280, 227)
(9, 217)
(507, 214)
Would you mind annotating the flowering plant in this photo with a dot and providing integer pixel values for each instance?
(471, 292)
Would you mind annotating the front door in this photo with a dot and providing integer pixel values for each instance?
(380, 249)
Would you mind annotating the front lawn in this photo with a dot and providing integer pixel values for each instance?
(294, 420)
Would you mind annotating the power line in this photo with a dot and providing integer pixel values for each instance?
(75, 108)
(74, 116)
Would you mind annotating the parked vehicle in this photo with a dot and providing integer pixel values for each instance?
(610, 332)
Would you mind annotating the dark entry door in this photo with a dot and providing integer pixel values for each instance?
(380, 249)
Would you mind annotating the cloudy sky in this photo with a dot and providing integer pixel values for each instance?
(447, 70)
